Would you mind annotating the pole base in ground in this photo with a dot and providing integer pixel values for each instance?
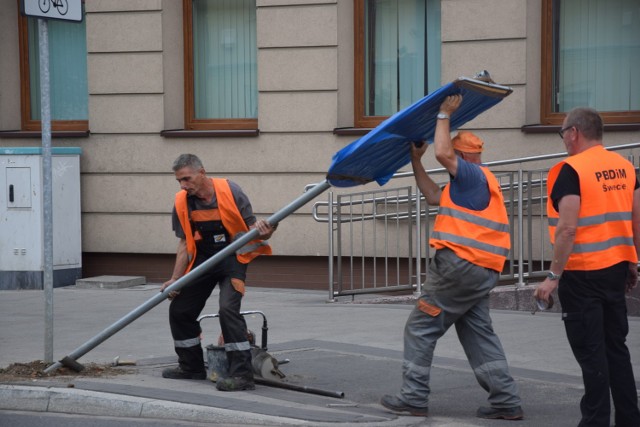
(72, 364)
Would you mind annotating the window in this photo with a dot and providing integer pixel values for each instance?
(221, 89)
(68, 90)
(397, 56)
(590, 58)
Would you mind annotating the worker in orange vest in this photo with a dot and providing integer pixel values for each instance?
(471, 238)
(209, 213)
(593, 209)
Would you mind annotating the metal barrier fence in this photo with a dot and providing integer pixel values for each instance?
(378, 239)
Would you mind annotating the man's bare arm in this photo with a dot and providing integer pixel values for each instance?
(445, 155)
(427, 186)
(568, 208)
(181, 264)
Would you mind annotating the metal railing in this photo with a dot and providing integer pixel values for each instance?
(377, 238)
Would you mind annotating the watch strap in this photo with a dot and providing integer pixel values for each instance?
(553, 276)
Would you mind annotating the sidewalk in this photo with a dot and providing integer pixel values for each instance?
(353, 348)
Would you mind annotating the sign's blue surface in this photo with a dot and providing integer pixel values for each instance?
(380, 153)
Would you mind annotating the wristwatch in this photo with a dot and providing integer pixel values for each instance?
(442, 116)
(553, 276)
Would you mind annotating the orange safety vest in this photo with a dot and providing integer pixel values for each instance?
(480, 237)
(604, 234)
(231, 220)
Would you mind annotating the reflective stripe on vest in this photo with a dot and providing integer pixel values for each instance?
(598, 219)
(470, 242)
(484, 222)
(602, 246)
(607, 181)
(480, 237)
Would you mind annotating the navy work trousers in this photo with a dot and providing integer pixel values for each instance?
(594, 311)
(187, 306)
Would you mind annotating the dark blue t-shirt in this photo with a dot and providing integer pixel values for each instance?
(469, 188)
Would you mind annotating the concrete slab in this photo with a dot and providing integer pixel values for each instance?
(110, 282)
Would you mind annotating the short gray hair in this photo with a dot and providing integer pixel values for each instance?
(587, 121)
(187, 160)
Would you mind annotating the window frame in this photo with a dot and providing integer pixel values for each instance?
(547, 83)
(190, 122)
(27, 123)
(360, 119)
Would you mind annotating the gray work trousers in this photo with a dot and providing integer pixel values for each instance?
(461, 290)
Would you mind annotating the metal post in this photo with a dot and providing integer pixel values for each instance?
(191, 276)
(520, 232)
(418, 290)
(47, 192)
(338, 248)
(331, 260)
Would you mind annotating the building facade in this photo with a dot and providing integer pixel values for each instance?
(266, 91)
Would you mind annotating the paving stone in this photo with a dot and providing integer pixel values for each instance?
(110, 282)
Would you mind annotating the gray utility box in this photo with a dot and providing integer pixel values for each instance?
(22, 217)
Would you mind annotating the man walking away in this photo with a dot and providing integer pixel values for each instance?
(593, 208)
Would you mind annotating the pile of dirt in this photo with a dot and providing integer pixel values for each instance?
(35, 370)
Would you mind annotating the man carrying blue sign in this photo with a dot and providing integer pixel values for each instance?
(471, 238)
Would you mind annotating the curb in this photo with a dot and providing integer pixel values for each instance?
(84, 402)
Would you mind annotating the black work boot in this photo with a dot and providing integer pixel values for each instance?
(491, 413)
(236, 383)
(180, 374)
(397, 406)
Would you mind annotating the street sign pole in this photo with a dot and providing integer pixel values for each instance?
(64, 10)
(45, 111)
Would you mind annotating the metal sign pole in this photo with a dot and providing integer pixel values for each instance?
(189, 277)
(47, 201)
